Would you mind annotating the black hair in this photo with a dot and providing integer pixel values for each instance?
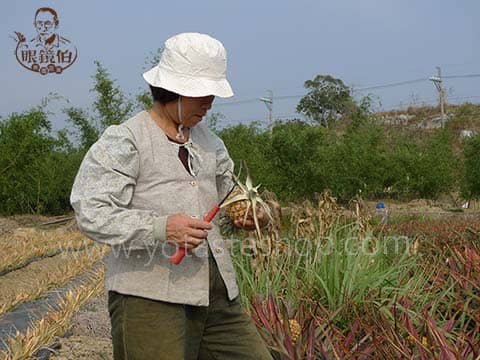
(163, 96)
(51, 11)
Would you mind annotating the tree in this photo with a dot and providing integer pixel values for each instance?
(327, 99)
(111, 107)
(87, 131)
(36, 172)
(213, 121)
(144, 99)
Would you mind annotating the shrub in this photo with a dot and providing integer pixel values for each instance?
(36, 168)
(471, 186)
(299, 160)
(252, 144)
(435, 170)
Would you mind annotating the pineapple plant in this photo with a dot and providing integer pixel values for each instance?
(243, 201)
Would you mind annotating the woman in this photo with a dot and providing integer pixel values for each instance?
(143, 188)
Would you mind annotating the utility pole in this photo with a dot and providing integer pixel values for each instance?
(268, 100)
(437, 80)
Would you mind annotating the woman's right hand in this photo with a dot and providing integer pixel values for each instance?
(186, 231)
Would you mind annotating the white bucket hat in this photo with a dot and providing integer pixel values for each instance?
(193, 65)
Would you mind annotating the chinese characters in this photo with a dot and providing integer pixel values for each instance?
(47, 52)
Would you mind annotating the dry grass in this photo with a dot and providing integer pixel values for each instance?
(35, 279)
(312, 222)
(26, 244)
(56, 323)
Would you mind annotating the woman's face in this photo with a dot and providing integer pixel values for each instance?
(194, 109)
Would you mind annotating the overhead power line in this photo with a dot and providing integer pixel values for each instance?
(374, 87)
(430, 101)
(391, 84)
(302, 95)
(262, 118)
(236, 102)
(464, 97)
(461, 76)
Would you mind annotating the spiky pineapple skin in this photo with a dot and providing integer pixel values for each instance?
(238, 209)
(295, 329)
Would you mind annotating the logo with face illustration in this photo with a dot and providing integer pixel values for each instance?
(48, 52)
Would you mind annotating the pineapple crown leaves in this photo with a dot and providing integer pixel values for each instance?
(248, 191)
(250, 194)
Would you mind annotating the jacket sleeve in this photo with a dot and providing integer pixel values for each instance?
(102, 193)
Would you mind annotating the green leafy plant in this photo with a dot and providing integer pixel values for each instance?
(471, 186)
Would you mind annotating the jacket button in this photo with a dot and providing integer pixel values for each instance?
(193, 183)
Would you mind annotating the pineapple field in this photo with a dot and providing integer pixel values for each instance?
(322, 280)
(46, 275)
(330, 275)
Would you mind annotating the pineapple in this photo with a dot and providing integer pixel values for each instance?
(243, 200)
(237, 209)
(295, 329)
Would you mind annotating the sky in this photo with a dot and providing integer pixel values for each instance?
(271, 45)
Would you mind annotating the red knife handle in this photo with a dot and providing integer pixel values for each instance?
(177, 258)
(211, 214)
(180, 254)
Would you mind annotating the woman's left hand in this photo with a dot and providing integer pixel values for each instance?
(249, 223)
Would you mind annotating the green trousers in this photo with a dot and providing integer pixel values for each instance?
(144, 329)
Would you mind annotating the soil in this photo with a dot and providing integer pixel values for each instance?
(89, 336)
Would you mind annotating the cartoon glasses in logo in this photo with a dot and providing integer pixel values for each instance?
(48, 52)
